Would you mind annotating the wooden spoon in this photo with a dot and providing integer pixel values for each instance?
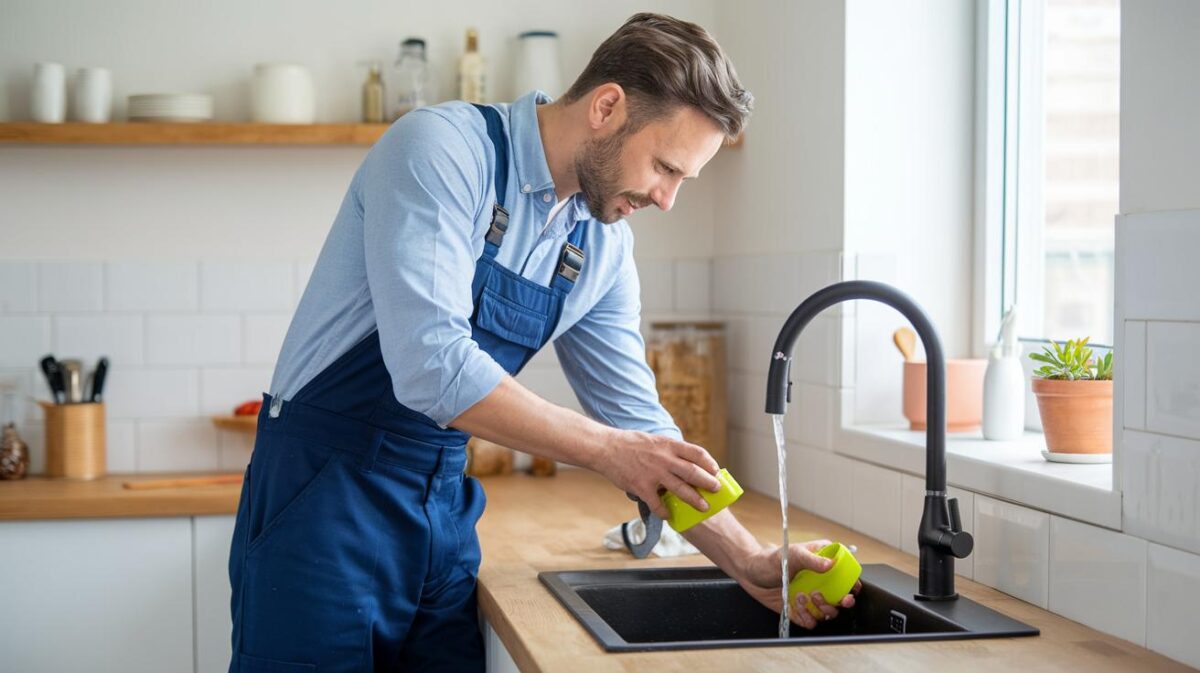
(906, 340)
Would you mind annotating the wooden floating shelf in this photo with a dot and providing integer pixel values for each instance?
(241, 423)
(197, 133)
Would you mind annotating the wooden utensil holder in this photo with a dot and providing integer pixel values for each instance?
(75, 440)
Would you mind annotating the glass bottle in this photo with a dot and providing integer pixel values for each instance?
(373, 98)
(414, 83)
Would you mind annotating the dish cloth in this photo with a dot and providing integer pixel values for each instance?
(670, 543)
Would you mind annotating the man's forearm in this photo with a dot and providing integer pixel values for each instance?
(512, 415)
(725, 541)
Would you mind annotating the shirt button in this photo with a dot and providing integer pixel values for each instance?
(546, 197)
(527, 188)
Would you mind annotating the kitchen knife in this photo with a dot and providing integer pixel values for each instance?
(98, 380)
(54, 378)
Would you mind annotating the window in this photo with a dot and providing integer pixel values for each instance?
(1049, 143)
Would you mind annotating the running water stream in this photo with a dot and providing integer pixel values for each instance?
(785, 622)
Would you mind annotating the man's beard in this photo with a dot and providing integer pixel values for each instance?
(598, 169)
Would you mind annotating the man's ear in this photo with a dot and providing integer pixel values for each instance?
(608, 107)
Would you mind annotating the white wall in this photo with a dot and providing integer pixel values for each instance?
(184, 264)
(1157, 377)
(1160, 102)
(778, 225)
(909, 179)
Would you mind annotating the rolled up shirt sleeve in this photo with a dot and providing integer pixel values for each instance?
(421, 188)
(604, 358)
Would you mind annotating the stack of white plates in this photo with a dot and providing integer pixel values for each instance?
(170, 107)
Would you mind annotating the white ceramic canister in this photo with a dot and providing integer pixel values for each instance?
(282, 93)
(92, 102)
(537, 64)
(48, 98)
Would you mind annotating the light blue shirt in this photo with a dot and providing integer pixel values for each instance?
(401, 255)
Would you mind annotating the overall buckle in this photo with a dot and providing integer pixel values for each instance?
(570, 262)
(499, 225)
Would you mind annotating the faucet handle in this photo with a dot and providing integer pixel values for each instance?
(955, 517)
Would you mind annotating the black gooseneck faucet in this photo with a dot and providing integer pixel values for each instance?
(940, 537)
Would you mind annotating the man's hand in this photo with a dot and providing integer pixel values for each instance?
(641, 463)
(760, 578)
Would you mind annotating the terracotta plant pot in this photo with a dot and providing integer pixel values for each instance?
(1077, 416)
(964, 394)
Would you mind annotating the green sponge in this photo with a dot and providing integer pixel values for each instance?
(833, 584)
(683, 516)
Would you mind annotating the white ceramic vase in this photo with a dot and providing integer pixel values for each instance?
(282, 93)
(48, 97)
(92, 102)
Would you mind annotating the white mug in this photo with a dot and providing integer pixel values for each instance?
(282, 93)
(93, 95)
(48, 99)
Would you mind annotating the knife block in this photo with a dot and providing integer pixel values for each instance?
(75, 440)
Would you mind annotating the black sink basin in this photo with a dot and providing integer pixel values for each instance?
(691, 608)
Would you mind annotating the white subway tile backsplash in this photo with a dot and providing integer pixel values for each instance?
(754, 463)
(247, 285)
(693, 282)
(1172, 385)
(264, 337)
(731, 284)
(1098, 577)
(746, 402)
(1160, 500)
(226, 387)
(24, 340)
(20, 387)
(1172, 594)
(151, 286)
(876, 502)
(177, 445)
(1012, 549)
(70, 286)
(18, 287)
(657, 279)
(1131, 372)
(193, 339)
(235, 449)
(120, 445)
(912, 506)
(131, 393)
(1156, 266)
(817, 354)
(810, 416)
(117, 337)
(831, 478)
(800, 461)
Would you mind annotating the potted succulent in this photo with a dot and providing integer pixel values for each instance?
(1075, 398)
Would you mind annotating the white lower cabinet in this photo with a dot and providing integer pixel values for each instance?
(212, 535)
(497, 656)
(126, 596)
(96, 595)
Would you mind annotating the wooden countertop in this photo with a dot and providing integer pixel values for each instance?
(40, 498)
(533, 524)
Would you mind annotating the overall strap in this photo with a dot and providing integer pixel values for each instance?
(499, 225)
(570, 260)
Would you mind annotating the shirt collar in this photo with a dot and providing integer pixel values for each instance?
(528, 153)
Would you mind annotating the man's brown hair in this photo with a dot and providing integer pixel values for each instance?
(663, 63)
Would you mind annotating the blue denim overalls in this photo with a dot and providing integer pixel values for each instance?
(355, 545)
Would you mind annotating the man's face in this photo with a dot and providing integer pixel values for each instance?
(622, 171)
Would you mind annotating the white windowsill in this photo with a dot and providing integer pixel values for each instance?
(1013, 471)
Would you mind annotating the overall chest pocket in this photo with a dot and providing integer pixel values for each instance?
(510, 320)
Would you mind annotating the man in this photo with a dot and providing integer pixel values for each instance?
(470, 237)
